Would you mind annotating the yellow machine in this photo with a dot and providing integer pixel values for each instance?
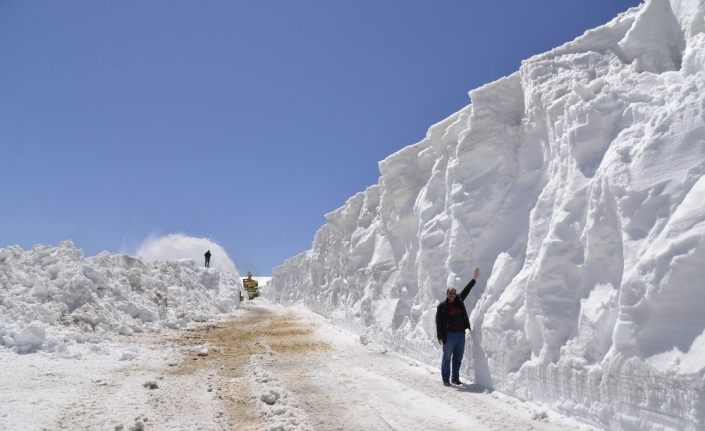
(250, 285)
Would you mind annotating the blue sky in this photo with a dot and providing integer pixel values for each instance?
(240, 121)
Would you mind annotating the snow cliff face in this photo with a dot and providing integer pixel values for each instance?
(576, 185)
(53, 299)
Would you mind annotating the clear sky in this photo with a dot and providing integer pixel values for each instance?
(240, 121)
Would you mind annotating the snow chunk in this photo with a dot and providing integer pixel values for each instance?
(30, 339)
(655, 42)
(270, 396)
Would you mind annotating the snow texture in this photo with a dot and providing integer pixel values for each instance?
(576, 185)
(53, 299)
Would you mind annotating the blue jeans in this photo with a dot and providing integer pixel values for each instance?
(455, 347)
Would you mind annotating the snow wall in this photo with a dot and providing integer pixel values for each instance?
(576, 185)
(55, 300)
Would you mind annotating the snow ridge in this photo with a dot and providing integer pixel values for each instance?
(576, 185)
(54, 299)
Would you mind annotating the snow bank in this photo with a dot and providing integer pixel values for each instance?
(52, 298)
(576, 185)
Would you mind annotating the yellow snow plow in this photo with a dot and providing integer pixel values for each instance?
(250, 285)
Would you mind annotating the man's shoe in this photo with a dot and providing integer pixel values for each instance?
(456, 382)
(446, 383)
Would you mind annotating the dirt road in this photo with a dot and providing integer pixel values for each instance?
(276, 368)
(241, 349)
(281, 368)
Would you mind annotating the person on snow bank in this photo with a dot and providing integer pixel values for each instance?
(208, 258)
(451, 322)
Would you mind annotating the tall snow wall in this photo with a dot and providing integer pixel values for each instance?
(576, 185)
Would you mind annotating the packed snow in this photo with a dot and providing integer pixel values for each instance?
(265, 367)
(576, 185)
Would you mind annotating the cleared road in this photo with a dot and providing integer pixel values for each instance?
(284, 368)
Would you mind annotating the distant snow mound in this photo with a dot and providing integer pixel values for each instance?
(577, 185)
(178, 246)
(52, 298)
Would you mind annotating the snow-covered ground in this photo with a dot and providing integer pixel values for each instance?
(72, 325)
(369, 387)
(576, 184)
(267, 367)
(102, 390)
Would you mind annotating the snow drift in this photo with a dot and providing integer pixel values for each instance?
(54, 299)
(576, 184)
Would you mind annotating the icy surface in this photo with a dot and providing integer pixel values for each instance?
(53, 299)
(576, 185)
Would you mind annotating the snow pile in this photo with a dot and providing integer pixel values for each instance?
(576, 185)
(52, 298)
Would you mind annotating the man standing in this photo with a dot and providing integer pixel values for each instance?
(208, 258)
(451, 322)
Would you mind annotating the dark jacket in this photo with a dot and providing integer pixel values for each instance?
(442, 312)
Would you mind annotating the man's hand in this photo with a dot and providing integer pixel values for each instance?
(477, 273)
(442, 341)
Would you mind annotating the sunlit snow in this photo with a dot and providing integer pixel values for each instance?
(576, 185)
(54, 299)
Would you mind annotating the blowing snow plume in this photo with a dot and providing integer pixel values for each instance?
(178, 246)
(577, 185)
